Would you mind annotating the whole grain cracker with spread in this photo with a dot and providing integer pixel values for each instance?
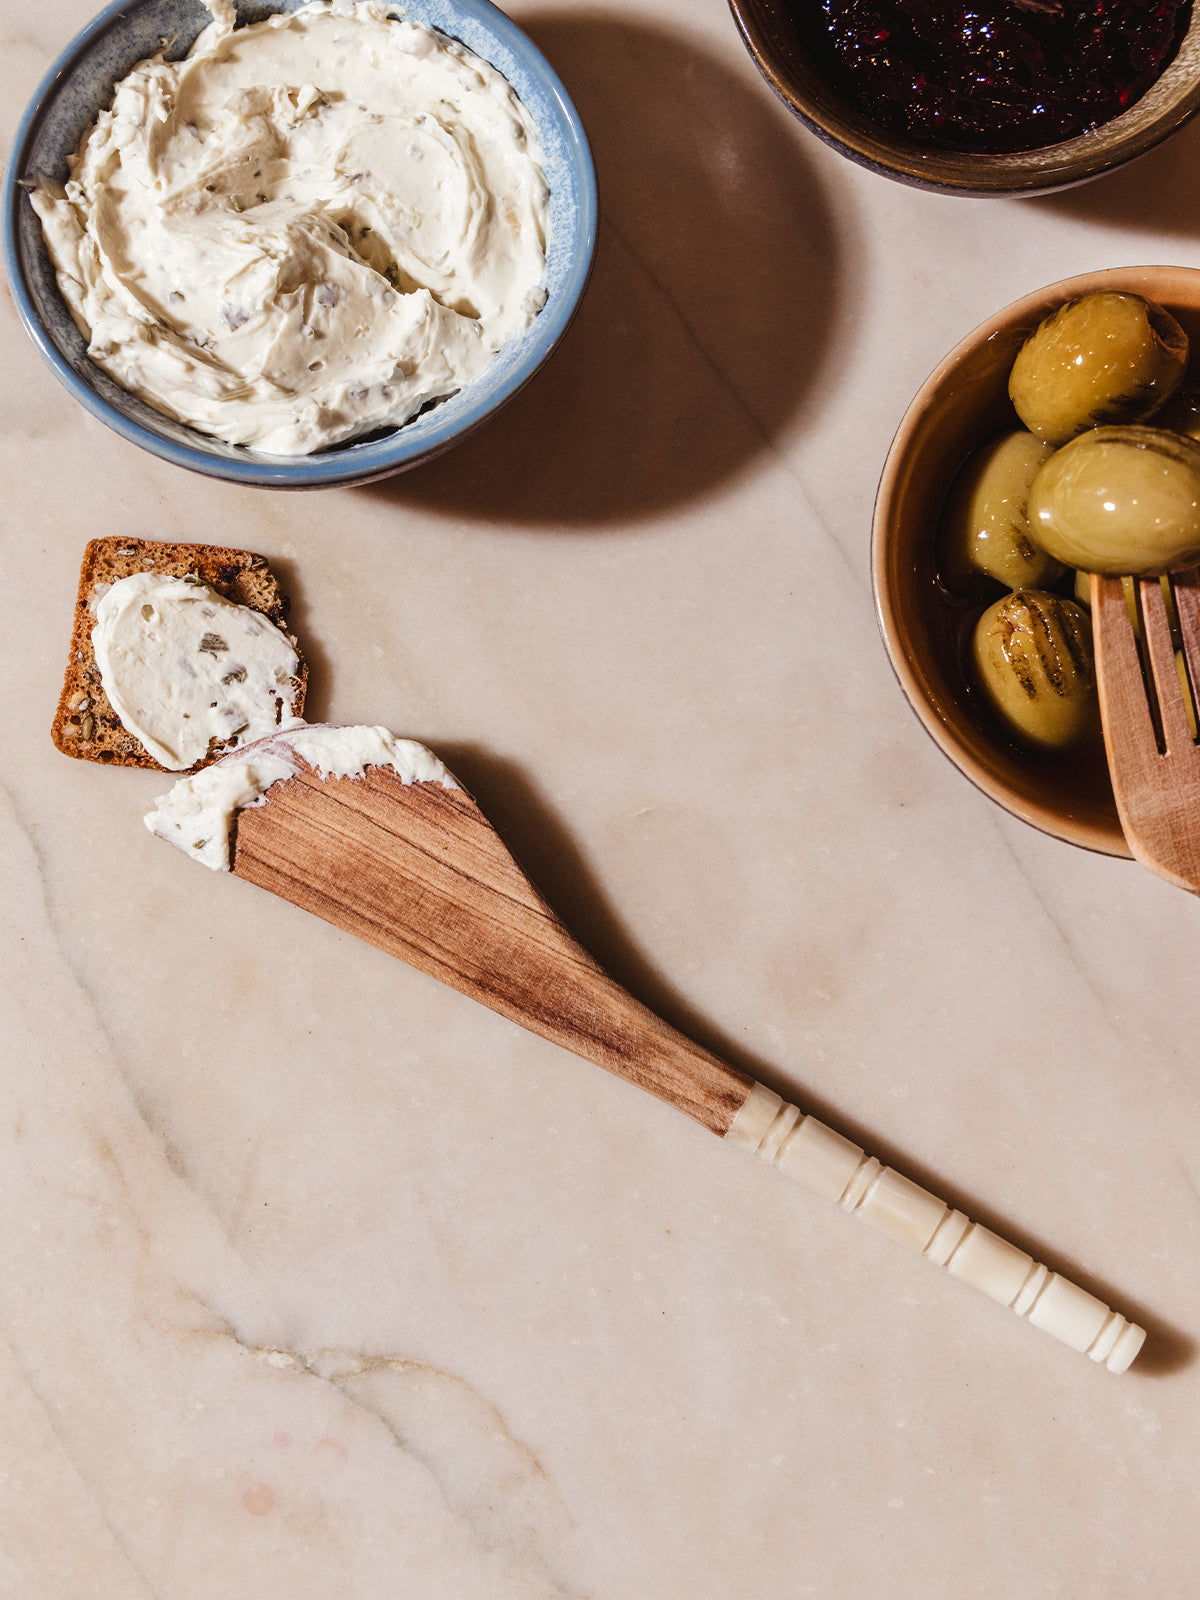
(85, 725)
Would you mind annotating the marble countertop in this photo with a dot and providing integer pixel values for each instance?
(318, 1280)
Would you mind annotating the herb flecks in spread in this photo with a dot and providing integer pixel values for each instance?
(184, 668)
(306, 230)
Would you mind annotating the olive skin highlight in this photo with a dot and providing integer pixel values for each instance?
(1120, 501)
(985, 527)
(1102, 358)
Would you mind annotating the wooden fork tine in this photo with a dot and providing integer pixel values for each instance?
(1187, 606)
(1160, 651)
(1131, 737)
(1157, 795)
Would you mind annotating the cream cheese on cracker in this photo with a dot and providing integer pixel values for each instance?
(185, 669)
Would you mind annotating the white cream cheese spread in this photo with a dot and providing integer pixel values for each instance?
(198, 812)
(306, 230)
(183, 667)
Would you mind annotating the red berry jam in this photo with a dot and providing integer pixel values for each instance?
(992, 75)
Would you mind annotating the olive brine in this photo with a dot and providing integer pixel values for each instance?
(1103, 476)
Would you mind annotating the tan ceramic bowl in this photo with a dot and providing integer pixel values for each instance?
(962, 404)
(770, 31)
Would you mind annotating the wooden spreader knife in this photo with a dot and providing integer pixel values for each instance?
(411, 865)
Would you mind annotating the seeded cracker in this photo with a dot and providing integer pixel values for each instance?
(85, 725)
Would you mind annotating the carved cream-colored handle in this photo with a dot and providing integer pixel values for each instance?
(838, 1170)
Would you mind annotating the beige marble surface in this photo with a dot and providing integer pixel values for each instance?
(318, 1281)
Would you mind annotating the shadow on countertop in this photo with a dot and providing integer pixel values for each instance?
(716, 275)
(544, 848)
(1159, 193)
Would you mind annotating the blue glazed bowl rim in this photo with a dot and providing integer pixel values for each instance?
(425, 436)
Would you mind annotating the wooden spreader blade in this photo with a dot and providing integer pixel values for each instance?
(417, 869)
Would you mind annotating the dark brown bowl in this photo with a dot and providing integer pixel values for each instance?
(961, 405)
(772, 37)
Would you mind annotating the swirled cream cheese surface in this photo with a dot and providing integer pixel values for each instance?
(184, 667)
(197, 814)
(306, 230)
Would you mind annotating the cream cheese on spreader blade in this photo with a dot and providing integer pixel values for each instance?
(372, 834)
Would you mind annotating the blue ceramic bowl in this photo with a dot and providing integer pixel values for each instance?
(80, 85)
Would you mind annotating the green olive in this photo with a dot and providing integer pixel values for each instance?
(1083, 589)
(1032, 654)
(985, 527)
(1120, 500)
(1102, 358)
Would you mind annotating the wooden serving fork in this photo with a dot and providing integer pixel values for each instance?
(415, 868)
(1147, 640)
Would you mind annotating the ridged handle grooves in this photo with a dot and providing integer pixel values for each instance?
(838, 1170)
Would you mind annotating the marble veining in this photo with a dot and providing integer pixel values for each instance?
(318, 1280)
(107, 1199)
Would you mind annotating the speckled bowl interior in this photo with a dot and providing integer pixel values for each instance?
(81, 83)
(770, 33)
(961, 405)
